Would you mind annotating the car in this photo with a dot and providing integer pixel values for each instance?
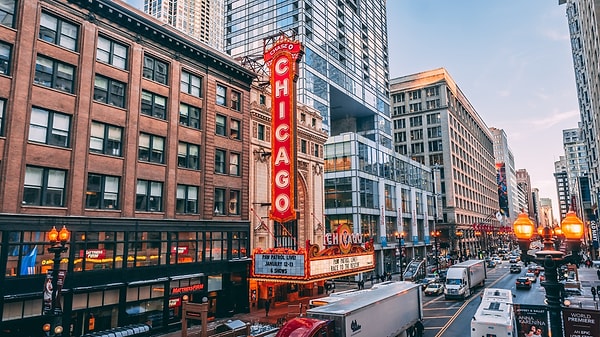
(531, 276)
(497, 260)
(434, 288)
(425, 282)
(534, 269)
(515, 269)
(523, 283)
(542, 277)
(513, 259)
(491, 264)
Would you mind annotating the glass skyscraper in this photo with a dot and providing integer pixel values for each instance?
(344, 72)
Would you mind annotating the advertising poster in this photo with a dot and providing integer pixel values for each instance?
(581, 322)
(532, 320)
(47, 302)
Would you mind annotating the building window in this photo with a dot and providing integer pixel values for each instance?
(234, 129)
(220, 161)
(188, 156)
(102, 192)
(154, 105)
(220, 125)
(5, 51)
(111, 52)
(58, 31)
(49, 127)
(221, 95)
(416, 121)
(399, 123)
(219, 201)
(234, 204)
(44, 187)
(7, 12)
(148, 196)
(109, 91)
(187, 199)
(54, 74)
(415, 107)
(234, 164)
(155, 70)
(236, 98)
(261, 132)
(416, 134)
(189, 116)
(416, 94)
(106, 139)
(151, 148)
(316, 153)
(435, 145)
(399, 137)
(191, 84)
(433, 118)
(2, 113)
(262, 99)
(303, 146)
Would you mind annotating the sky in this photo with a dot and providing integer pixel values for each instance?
(512, 60)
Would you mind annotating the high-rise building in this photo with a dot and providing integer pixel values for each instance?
(583, 27)
(506, 176)
(344, 72)
(524, 181)
(200, 19)
(561, 178)
(435, 124)
(576, 163)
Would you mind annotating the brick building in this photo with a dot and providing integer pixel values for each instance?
(133, 136)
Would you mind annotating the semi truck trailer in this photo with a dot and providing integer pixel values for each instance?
(387, 309)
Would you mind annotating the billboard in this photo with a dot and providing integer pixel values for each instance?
(502, 188)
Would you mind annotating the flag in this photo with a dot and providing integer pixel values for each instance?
(28, 262)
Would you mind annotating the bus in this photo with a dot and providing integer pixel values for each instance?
(495, 316)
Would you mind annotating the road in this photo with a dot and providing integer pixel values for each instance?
(453, 318)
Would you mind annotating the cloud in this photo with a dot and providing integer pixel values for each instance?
(554, 119)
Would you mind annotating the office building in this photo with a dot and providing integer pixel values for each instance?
(524, 182)
(506, 177)
(344, 73)
(135, 137)
(561, 177)
(436, 125)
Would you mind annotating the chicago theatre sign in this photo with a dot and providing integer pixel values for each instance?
(282, 59)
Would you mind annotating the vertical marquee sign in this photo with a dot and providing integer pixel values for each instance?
(282, 59)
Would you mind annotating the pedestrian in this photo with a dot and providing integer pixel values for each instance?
(594, 293)
(598, 273)
(598, 291)
(419, 328)
(267, 307)
(588, 263)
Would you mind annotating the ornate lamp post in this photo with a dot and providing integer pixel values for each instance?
(400, 238)
(435, 235)
(550, 258)
(58, 245)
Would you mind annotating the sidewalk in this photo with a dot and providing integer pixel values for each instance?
(588, 278)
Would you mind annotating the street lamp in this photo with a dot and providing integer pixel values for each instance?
(400, 238)
(436, 234)
(58, 244)
(550, 258)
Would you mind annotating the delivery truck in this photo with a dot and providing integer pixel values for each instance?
(494, 316)
(463, 277)
(388, 309)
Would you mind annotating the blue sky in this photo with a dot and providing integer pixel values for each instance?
(511, 58)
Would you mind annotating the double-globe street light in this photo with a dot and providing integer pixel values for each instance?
(436, 235)
(400, 251)
(58, 245)
(551, 258)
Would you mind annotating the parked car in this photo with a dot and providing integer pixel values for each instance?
(515, 269)
(434, 288)
(523, 283)
(531, 276)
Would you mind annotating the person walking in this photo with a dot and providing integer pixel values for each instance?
(419, 328)
(267, 307)
(598, 291)
(598, 273)
(594, 293)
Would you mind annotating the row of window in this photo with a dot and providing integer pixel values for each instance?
(46, 187)
(115, 250)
